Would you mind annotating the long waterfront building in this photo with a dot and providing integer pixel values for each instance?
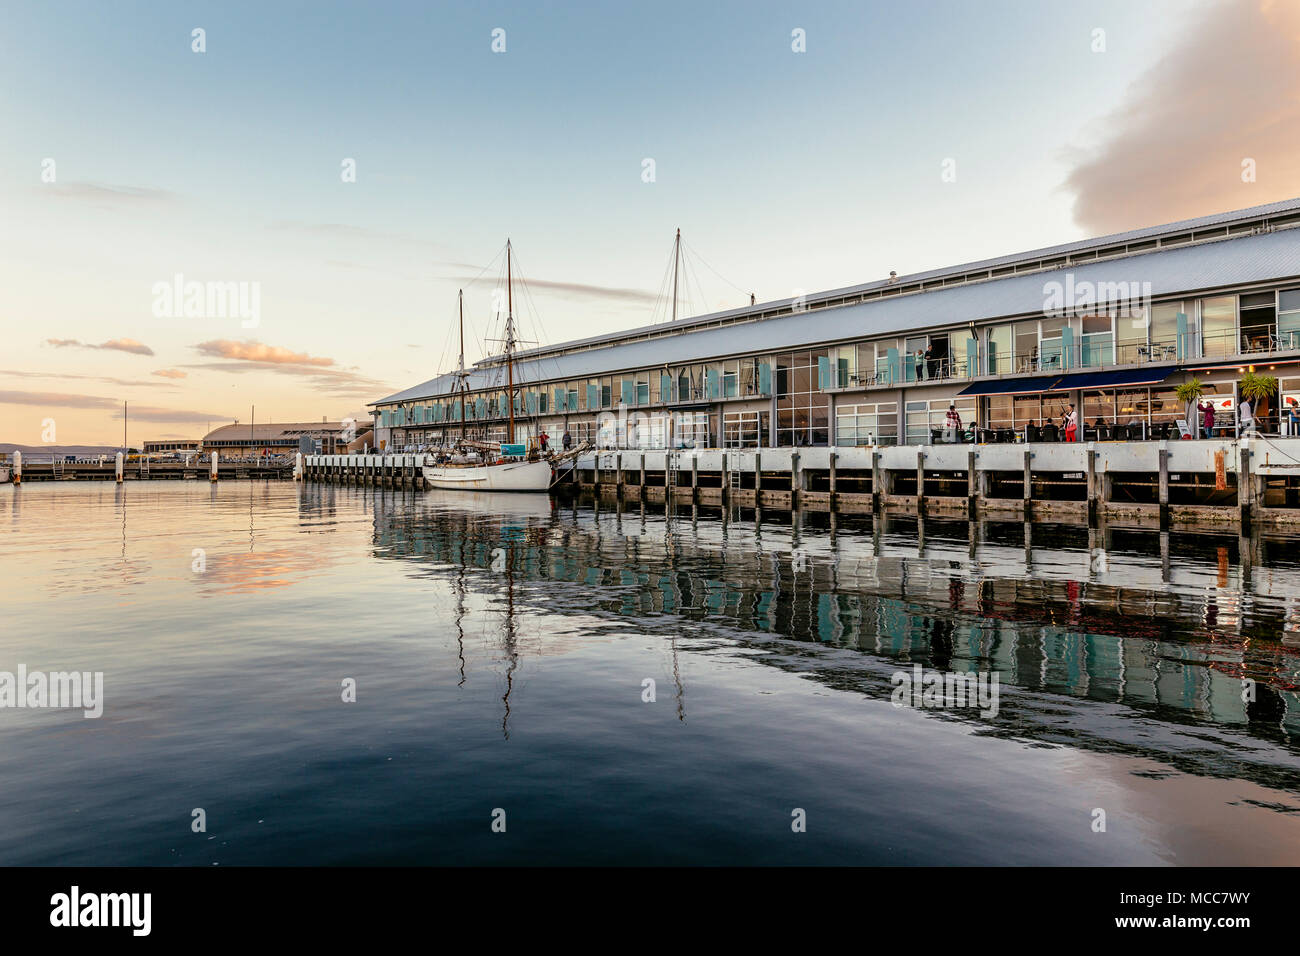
(1112, 325)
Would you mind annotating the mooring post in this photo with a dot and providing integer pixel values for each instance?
(875, 480)
(1164, 484)
(214, 470)
(618, 475)
(643, 474)
(972, 485)
(1029, 483)
(1092, 485)
(920, 481)
(18, 468)
(794, 480)
(1245, 486)
(726, 481)
(833, 458)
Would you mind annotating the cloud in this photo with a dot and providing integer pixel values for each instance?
(141, 413)
(342, 383)
(130, 383)
(170, 373)
(258, 353)
(1227, 92)
(116, 345)
(57, 400)
(152, 413)
(584, 290)
(319, 372)
(102, 193)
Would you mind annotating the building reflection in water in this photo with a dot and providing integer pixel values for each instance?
(1172, 627)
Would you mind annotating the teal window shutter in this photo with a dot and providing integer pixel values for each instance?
(973, 356)
(823, 371)
(765, 379)
(531, 403)
(559, 399)
(665, 388)
(629, 396)
(1067, 348)
(1180, 340)
(711, 383)
(891, 362)
(593, 397)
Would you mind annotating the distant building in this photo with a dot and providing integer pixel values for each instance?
(272, 438)
(186, 446)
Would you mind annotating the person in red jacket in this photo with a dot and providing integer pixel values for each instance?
(1207, 418)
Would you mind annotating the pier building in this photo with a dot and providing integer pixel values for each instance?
(1111, 325)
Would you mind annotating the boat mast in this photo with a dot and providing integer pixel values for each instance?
(461, 384)
(677, 256)
(510, 348)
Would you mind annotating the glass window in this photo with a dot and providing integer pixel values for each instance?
(1131, 337)
(1164, 324)
(866, 424)
(1000, 350)
(1026, 346)
(1131, 406)
(1219, 326)
(1097, 341)
(1288, 318)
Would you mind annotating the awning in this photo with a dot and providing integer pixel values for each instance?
(1125, 376)
(1010, 386)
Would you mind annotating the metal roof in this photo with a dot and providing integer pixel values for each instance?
(1077, 247)
(266, 431)
(1186, 269)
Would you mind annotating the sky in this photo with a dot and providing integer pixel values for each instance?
(348, 167)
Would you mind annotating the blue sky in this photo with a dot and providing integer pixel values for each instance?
(784, 170)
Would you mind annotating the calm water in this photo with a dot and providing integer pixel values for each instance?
(499, 648)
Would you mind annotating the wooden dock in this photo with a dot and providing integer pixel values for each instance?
(1231, 483)
(152, 471)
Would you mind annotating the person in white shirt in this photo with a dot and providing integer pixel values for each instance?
(1246, 417)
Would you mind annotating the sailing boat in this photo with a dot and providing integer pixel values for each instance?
(483, 468)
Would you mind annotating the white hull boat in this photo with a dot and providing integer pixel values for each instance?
(503, 476)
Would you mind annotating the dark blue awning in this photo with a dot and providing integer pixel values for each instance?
(1009, 386)
(1126, 376)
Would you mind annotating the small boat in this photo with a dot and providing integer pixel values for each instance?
(502, 475)
(483, 466)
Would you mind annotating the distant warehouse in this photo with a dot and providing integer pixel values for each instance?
(270, 438)
(1111, 325)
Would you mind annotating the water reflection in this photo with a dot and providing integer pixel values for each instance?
(1172, 645)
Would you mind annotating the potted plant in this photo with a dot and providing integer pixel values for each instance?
(1257, 389)
(1189, 393)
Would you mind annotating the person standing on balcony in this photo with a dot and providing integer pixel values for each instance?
(918, 363)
